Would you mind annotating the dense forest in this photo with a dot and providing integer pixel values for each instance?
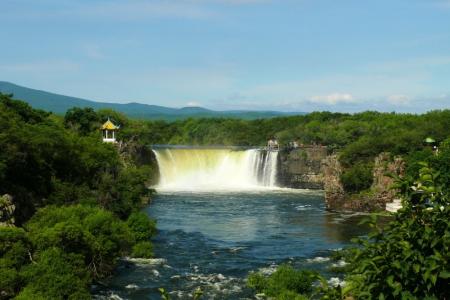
(70, 203)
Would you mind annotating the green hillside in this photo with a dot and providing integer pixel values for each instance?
(59, 104)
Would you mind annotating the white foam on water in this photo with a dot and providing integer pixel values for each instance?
(304, 207)
(132, 286)
(318, 259)
(108, 296)
(145, 261)
(335, 281)
(339, 264)
(268, 270)
(212, 285)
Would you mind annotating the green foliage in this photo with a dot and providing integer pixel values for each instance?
(84, 120)
(56, 275)
(357, 178)
(409, 258)
(72, 194)
(43, 163)
(285, 283)
(141, 226)
(14, 247)
(116, 117)
(290, 295)
(143, 250)
(123, 192)
(23, 110)
(95, 234)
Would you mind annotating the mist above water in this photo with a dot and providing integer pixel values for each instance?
(216, 169)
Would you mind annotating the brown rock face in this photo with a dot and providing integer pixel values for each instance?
(301, 168)
(378, 195)
(384, 170)
(334, 190)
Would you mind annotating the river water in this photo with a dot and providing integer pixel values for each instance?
(212, 240)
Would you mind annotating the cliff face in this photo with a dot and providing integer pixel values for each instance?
(301, 168)
(375, 198)
(312, 168)
(334, 190)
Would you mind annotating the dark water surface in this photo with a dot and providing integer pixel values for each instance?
(213, 240)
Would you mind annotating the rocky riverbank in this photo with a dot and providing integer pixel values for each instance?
(312, 168)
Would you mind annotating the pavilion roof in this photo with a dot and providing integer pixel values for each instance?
(109, 125)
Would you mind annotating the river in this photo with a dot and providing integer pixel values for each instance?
(211, 234)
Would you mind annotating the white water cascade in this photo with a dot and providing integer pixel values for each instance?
(216, 169)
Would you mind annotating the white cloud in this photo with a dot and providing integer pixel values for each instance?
(333, 99)
(399, 99)
(193, 104)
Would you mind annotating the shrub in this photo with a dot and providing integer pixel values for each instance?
(286, 282)
(410, 257)
(143, 250)
(142, 226)
(357, 178)
(56, 275)
(99, 236)
(14, 247)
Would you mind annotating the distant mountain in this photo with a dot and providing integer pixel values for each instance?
(59, 104)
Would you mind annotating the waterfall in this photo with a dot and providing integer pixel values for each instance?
(216, 169)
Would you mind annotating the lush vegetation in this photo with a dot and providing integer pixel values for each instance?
(410, 257)
(284, 283)
(76, 203)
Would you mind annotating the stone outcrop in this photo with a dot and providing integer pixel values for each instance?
(7, 209)
(137, 154)
(301, 168)
(384, 172)
(334, 190)
(376, 198)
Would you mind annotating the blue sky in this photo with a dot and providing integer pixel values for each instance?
(301, 55)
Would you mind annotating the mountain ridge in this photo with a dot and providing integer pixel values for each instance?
(59, 104)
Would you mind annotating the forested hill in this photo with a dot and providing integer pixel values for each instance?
(59, 104)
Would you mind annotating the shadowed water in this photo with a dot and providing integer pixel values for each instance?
(213, 240)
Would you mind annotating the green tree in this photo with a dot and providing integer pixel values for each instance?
(95, 234)
(84, 120)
